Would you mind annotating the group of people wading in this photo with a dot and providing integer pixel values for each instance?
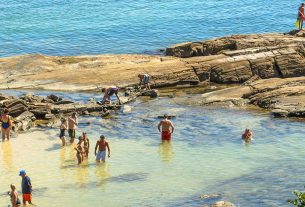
(102, 148)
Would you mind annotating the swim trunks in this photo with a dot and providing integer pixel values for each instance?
(166, 135)
(101, 155)
(146, 79)
(71, 133)
(27, 197)
(62, 133)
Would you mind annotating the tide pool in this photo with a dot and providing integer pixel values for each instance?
(206, 156)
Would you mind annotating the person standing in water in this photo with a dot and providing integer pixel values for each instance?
(26, 187)
(167, 128)
(301, 16)
(72, 123)
(14, 196)
(63, 128)
(86, 144)
(108, 92)
(6, 125)
(144, 79)
(101, 145)
(79, 151)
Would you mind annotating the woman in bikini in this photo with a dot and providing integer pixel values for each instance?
(5, 125)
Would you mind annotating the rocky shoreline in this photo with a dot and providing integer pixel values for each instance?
(268, 69)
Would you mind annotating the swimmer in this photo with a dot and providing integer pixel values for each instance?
(86, 144)
(14, 196)
(26, 187)
(101, 145)
(167, 128)
(63, 128)
(72, 124)
(6, 125)
(247, 135)
(79, 150)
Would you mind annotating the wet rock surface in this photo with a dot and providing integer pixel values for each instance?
(31, 110)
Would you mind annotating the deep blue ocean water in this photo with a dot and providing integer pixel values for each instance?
(76, 27)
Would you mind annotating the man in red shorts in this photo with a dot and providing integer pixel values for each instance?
(166, 125)
(26, 187)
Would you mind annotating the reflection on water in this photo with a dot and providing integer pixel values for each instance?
(206, 155)
(166, 151)
(6, 148)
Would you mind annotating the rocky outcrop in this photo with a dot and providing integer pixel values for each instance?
(233, 59)
(30, 110)
(223, 204)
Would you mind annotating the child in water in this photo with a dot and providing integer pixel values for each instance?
(79, 150)
(14, 196)
(86, 144)
(63, 128)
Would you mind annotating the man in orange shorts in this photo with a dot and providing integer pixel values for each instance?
(26, 187)
(167, 128)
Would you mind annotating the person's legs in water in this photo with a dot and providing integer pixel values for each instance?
(79, 158)
(3, 134)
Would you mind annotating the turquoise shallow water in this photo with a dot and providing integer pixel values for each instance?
(206, 156)
(75, 27)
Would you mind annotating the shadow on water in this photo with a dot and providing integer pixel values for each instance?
(56, 146)
(258, 188)
(124, 178)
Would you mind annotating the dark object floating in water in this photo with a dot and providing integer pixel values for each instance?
(169, 117)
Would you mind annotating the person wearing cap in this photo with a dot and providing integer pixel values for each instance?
(301, 16)
(72, 124)
(26, 187)
(144, 79)
(102, 145)
(167, 128)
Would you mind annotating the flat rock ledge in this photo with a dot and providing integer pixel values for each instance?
(269, 69)
(31, 110)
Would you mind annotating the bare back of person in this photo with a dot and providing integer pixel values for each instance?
(72, 123)
(102, 145)
(166, 124)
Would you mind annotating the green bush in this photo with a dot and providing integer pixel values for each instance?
(299, 201)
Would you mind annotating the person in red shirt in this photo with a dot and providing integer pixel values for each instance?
(301, 16)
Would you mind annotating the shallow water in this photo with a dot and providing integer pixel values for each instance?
(97, 27)
(205, 156)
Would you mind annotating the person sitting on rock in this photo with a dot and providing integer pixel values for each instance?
(247, 135)
(108, 92)
(144, 79)
(6, 125)
(301, 16)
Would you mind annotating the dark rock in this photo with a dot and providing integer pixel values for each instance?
(150, 93)
(54, 98)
